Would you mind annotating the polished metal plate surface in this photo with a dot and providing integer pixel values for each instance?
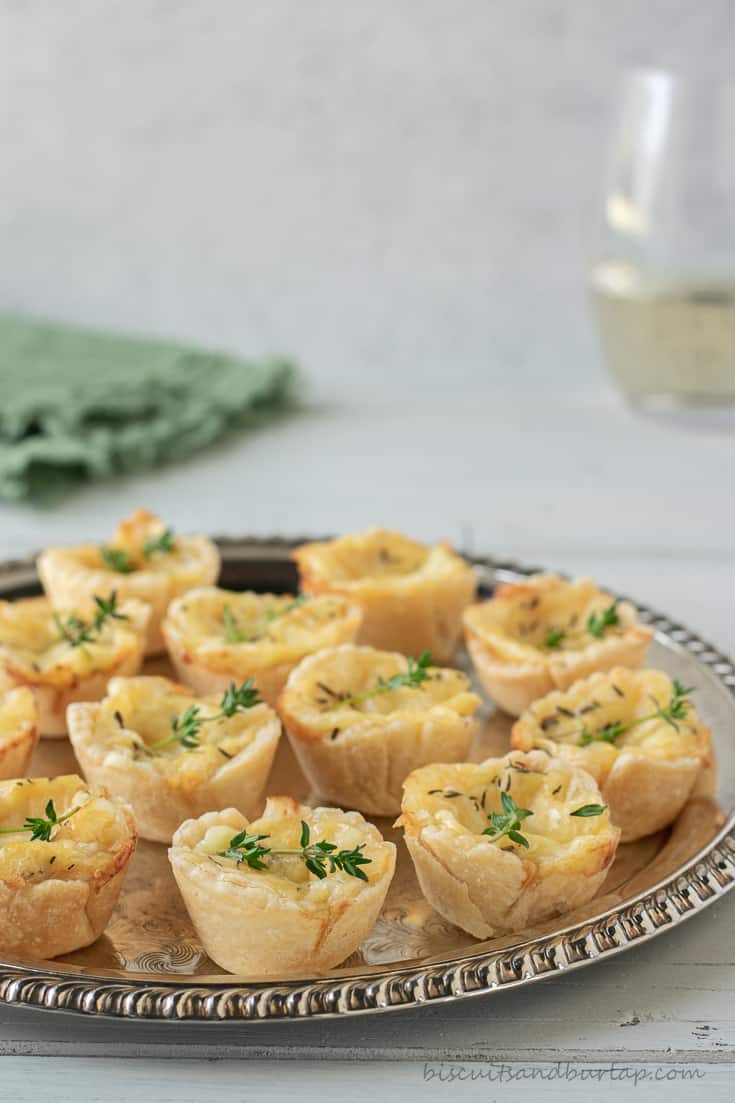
(149, 963)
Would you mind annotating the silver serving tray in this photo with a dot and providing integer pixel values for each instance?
(150, 965)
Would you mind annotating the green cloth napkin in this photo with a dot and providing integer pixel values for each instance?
(78, 405)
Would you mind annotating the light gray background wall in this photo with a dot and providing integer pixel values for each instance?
(393, 192)
(400, 195)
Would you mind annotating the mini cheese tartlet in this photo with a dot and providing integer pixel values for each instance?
(620, 727)
(282, 920)
(545, 633)
(18, 731)
(412, 596)
(64, 656)
(490, 883)
(356, 739)
(214, 636)
(57, 893)
(144, 560)
(222, 761)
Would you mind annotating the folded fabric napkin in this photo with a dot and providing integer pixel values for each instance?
(78, 405)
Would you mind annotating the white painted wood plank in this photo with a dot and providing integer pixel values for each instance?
(187, 1081)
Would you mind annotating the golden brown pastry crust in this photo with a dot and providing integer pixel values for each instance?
(646, 775)
(358, 757)
(165, 791)
(412, 597)
(18, 732)
(58, 674)
(492, 887)
(71, 576)
(258, 924)
(49, 910)
(505, 638)
(283, 632)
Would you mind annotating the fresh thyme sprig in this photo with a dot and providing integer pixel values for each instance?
(298, 601)
(77, 632)
(163, 544)
(415, 674)
(554, 637)
(508, 821)
(316, 856)
(677, 709)
(596, 626)
(235, 634)
(40, 827)
(122, 562)
(598, 623)
(117, 560)
(238, 698)
(607, 734)
(589, 810)
(186, 728)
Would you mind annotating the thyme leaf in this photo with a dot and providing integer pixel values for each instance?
(508, 821)
(163, 544)
(233, 634)
(554, 637)
(298, 601)
(117, 560)
(596, 626)
(598, 623)
(239, 698)
(607, 734)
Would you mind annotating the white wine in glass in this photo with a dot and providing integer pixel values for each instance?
(663, 282)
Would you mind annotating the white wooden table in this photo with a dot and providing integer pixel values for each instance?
(579, 485)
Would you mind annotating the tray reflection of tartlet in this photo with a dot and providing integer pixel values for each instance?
(359, 720)
(57, 890)
(636, 732)
(173, 756)
(143, 560)
(264, 913)
(506, 843)
(412, 596)
(215, 636)
(64, 656)
(18, 731)
(544, 633)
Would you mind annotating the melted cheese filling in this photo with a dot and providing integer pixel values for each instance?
(130, 536)
(349, 673)
(287, 875)
(139, 712)
(461, 798)
(528, 613)
(31, 640)
(273, 622)
(627, 696)
(378, 555)
(79, 848)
